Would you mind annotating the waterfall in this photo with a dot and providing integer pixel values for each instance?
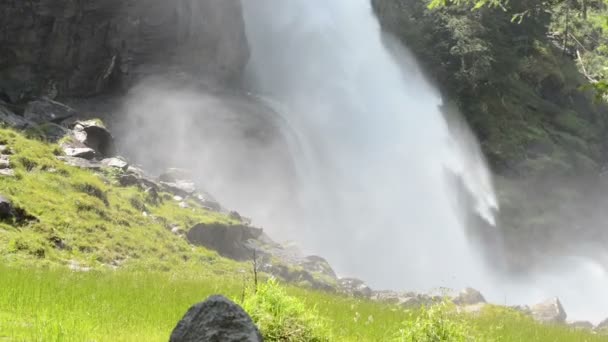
(374, 148)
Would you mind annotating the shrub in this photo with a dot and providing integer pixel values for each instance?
(435, 324)
(281, 317)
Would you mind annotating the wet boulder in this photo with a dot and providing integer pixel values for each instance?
(93, 134)
(229, 241)
(317, 264)
(549, 311)
(117, 163)
(469, 296)
(354, 287)
(217, 319)
(11, 119)
(76, 149)
(81, 163)
(581, 325)
(52, 131)
(45, 110)
(6, 209)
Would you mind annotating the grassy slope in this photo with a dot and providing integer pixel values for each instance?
(99, 223)
(161, 274)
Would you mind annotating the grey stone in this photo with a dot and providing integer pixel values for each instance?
(182, 188)
(216, 320)
(11, 119)
(6, 208)
(354, 288)
(52, 132)
(77, 150)
(469, 296)
(128, 180)
(7, 172)
(45, 110)
(317, 264)
(549, 311)
(81, 163)
(115, 163)
(94, 135)
(228, 241)
(5, 162)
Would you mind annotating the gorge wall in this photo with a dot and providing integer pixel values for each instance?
(82, 48)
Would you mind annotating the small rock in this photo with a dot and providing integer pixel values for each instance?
(45, 110)
(52, 132)
(418, 300)
(474, 309)
(11, 119)
(581, 325)
(178, 198)
(5, 162)
(180, 188)
(115, 163)
(184, 205)
(7, 172)
(216, 320)
(6, 209)
(602, 327)
(524, 309)
(78, 152)
(389, 297)
(354, 287)
(549, 311)
(177, 231)
(174, 175)
(128, 180)
(81, 163)
(469, 296)
(208, 203)
(228, 241)
(235, 216)
(93, 134)
(317, 264)
(75, 266)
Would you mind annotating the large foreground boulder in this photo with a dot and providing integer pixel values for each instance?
(216, 320)
(549, 311)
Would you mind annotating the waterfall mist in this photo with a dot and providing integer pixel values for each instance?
(344, 147)
(374, 148)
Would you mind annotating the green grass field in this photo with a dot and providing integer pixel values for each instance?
(59, 305)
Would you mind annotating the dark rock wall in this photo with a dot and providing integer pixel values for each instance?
(86, 47)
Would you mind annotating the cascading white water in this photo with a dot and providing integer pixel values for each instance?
(374, 147)
(375, 158)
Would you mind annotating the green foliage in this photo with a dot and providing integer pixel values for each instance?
(435, 324)
(83, 217)
(281, 317)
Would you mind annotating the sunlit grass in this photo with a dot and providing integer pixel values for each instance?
(59, 305)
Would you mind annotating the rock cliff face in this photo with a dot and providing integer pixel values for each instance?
(80, 48)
